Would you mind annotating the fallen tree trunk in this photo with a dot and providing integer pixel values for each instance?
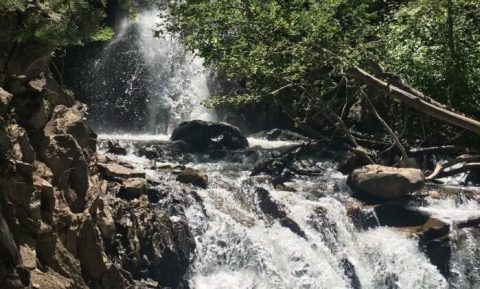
(470, 162)
(452, 172)
(415, 102)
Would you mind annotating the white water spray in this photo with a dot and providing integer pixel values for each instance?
(179, 81)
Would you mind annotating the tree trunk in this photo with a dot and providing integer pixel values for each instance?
(416, 102)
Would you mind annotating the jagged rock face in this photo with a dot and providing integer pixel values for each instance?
(67, 222)
(150, 243)
(385, 182)
(70, 120)
(200, 136)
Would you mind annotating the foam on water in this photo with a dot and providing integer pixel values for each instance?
(238, 246)
(267, 144)
(135, 137)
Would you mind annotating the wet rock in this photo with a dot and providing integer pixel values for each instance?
(473, 177)
(133, 188)
(151, 244)
(385, 182)
(193, 176)
(116, 149)
(351, 273)
(271, 208)
(116, 171)
(286, 188)
(398, 214)
(200, 136)
(439, 252)
(70, 120)
(363, 217)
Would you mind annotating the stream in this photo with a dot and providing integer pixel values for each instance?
(239, 245)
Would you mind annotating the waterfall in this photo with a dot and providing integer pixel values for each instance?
(178, 80)
(139, 83)
(142, 87)
(238, 247)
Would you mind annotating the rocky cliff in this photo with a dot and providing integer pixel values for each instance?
(69, 217)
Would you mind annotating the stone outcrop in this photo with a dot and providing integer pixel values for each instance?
(385, 182)
(73, 219)
(201, 136)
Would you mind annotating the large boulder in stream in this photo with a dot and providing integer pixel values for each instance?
(200, 136)
(385, 182)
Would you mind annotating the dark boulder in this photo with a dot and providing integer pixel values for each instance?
(276, 211)
(399, 214)
(116, 149)
(151, 244)
(200, 136)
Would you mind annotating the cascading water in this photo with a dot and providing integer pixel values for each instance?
(238, 247)
(138, 82)
(241, 246)
(179, 82)
(238, 244)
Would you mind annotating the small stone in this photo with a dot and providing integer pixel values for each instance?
(193, 176)
(118, 171)
(29, 257)
(133, 188)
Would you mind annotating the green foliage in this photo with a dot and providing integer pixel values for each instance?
(13, 5)
(291, 52)
(58, 22)
(265, 45)
(304, 45)
(417, 47)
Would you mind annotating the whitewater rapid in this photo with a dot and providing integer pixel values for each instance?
(238, 246)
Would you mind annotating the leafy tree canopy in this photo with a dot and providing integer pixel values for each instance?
(264, 46)
(58, 22)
